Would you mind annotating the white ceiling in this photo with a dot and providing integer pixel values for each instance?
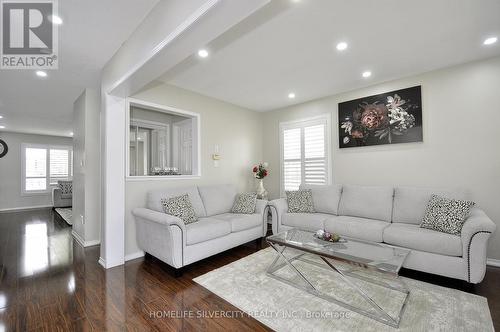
(290, 46)
(92, 32)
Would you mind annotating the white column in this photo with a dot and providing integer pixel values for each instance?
(113, 184)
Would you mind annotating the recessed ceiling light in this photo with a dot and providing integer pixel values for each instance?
(291, 95)
(491, 40)
(71, 134)
(202, 53)
(341, 46)
(56, 19)
(2, 127)
(41, 73)
(366, 74)
(1, 116)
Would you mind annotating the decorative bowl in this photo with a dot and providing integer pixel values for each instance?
(327, 236)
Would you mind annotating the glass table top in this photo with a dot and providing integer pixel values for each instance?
(379, 256)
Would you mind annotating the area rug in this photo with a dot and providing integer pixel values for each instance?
(66, 214)
(281, 307)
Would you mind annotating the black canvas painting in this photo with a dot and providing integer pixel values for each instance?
(387, 118)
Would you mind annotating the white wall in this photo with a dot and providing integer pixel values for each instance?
(461, 119)
(86, 161)
(10, 171)
(236, 130)
(78, 171)
(92, 166)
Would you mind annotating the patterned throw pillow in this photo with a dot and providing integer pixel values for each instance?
(66, 186)
(180, 206)
(245, 203)
(446, 215)
(300, 201)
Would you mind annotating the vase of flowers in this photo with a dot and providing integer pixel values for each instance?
(260, 172)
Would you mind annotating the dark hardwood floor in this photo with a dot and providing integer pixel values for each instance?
(49, 283)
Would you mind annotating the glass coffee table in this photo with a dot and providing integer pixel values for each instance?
(352, 260)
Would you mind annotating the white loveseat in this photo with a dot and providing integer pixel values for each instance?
(393, 215)
(167, 237)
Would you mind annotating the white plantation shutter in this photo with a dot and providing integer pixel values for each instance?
(36, 169)
(292, 158)
(315, 164)
(60, 165)
(305, 149)
(43, 166)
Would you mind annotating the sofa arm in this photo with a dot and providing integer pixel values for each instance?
(261, 206)
(161, 235)
(475, 234)
(158, 217)
(262, 209)
(278, 208)
(56, 194)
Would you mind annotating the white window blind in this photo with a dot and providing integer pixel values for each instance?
(44, 166)
(292, 158)
(36, 169)
(60, 165)
(315, 164)
(305, 149)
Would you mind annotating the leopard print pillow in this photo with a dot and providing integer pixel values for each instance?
(446, 215)
(181, 207)
(300, 201)
(245, 203)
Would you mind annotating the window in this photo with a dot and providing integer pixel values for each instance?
(36, 169)
(305, 152)
(44, 165)
(162, 141)
(60, 164)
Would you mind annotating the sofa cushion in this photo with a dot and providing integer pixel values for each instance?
(410, 202)
(366, 202)
(245, 203)
(180, 207)
(325, 198)
(66, 186)
(241, 222)
(355, 227)
(305, 221)
(206, 229)
(155, 197)
(299, 201)
(218, 199)
(446, 215)
(414, 237)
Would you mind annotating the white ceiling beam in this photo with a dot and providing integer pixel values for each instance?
(158, 46)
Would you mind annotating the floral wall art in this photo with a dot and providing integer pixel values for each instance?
(387, 118)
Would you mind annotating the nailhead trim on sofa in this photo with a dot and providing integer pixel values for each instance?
(468, 251)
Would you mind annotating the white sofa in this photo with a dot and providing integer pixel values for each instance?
(393, 215)
(61, 200)
(167, 237)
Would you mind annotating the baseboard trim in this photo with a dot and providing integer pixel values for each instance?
(134, 255)
(78, 238)
(102, 262)
(493, 262)
(92, 243)
(82, 242)
(26, 208)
